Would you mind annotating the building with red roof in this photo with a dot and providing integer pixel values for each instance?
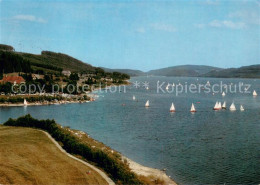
(13, 79)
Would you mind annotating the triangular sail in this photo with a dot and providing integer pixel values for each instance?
(242, 108)
(254, 93)
(172, 109)
(219, 105)
(224, 105)
(147, 103)
(232, 107)
(216, 106)
(134, 97)
(25, 102)
(223, 94)
(192, 108)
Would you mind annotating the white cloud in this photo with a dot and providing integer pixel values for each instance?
(30, 18)
(163, 27)
(227, 24)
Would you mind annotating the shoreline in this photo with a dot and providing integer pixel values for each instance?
(148, 171)
(138, 169)
(39, 104)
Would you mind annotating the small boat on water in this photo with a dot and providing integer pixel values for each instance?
(224, 105)
(254, 93)
(172, 109)
(147, 88)
(147, 104)
(192, 108)
(25, 102)
(241, 108)
(133, 97)
(232, 107)
(217, 106)
(223, 94)
(167, 87)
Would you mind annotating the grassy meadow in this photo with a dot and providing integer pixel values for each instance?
(28, 156)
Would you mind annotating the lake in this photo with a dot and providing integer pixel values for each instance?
(206, 147)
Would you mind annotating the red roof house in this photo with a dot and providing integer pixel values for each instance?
(13, 79)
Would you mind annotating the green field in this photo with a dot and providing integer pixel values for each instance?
(28, 156)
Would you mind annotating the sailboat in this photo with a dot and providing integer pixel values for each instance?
(192, 108)
(147, 88)
(219, 105)
(224, 105)
(254, 93)
(25, 102)
(167, 87)
(232, 107)
(172, 109)
(242, 108)
(147, 104)
(216, 106)
(173, 84)
(223, 94)
(134, 97)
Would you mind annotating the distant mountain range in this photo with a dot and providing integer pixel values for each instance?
(55, 62)
(130, 72)
(252, 71)
(183, 70)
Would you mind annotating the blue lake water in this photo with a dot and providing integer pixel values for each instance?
(207, 147)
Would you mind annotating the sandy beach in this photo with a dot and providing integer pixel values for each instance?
(146, 171)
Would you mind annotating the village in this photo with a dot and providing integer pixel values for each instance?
(21, 89)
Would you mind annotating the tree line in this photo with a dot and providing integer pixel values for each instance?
(10, 62)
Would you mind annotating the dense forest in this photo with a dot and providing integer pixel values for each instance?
(10, 62)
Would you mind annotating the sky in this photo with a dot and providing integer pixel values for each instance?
(142, 35)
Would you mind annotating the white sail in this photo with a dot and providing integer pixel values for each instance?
(167, 87)
(134, 97)
(25, 102)
(254, 93)
(172, 109)
(147, 104)
(224, 105)
(232, 107)
(219, 105)
(216, 106)
(242, 108)
(173, 84)
(193, 108)
(223, 94)
(147, 88)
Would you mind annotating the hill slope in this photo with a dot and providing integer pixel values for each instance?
(57, 60)
(130, 72)
(28, 156)
(252, 71)
(183, 70)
